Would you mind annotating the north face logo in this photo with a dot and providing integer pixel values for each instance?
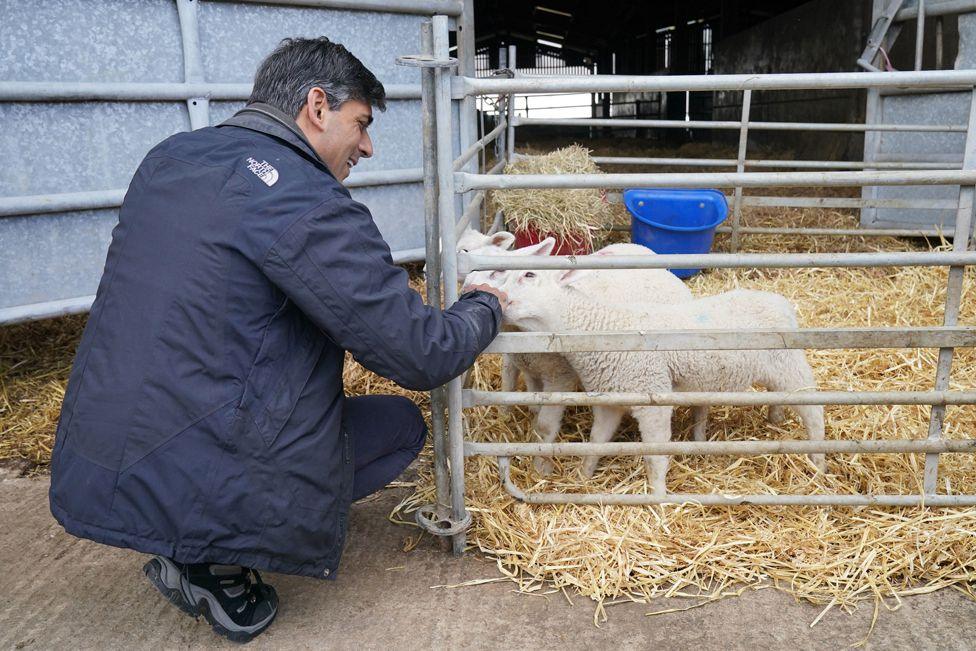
(263, 170)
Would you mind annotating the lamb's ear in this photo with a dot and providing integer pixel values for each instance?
(504, 239)
(571, 276)
(544, 247)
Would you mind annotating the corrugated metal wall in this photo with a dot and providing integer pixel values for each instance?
(52, 262)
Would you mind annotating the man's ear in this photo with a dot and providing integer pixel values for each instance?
(316, 107)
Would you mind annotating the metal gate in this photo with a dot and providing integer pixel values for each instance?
(449, 517)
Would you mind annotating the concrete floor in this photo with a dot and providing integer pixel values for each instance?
(60, 592)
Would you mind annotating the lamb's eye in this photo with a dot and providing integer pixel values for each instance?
(530, 274)
(463, 250)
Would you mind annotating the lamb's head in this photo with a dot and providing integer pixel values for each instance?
(496, 278)
(537, 300)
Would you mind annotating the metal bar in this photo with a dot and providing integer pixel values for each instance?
(97, 199)
(442, 103)
(438, 399)
(476, 203)
(721, 448)
(465, 182)
(469, 263)
(478, 146)
(741, 399)
(852, 202)
(879, 31)
(740, 168)
(960, 244)
(741, 339)
(408, 255)
(510, 142)
(421, 7)
(473, 207)
(197, 107)
(833, 202)
(600, 499)
(385, 177)
(625, 123)
(465, 53)
(497, 223)
(919, 32)
(938, 43)
(943, 8)
(796, 164)
(64, 202)
(850, 232)
(80, 91)
(790, 81)
(46, 310)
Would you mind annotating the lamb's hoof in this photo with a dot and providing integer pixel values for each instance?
(544, 466)
(777, 415)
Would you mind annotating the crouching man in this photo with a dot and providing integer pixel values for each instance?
(204, 421)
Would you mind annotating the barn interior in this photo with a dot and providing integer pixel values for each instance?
(701, 37)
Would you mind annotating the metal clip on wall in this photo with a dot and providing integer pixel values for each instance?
(425, 61)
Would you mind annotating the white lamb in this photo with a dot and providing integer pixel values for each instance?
(550, 371)
(552, 301)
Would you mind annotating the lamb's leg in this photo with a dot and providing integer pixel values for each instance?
(510, 374)
(534, 383)
(655, 426)
(550, 417)
(812, 417)
(606, 420)
(776, 415)
(795, 374)
(700, 416)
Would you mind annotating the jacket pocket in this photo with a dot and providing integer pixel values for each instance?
(288, 355)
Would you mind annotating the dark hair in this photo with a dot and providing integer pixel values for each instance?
(299, 64)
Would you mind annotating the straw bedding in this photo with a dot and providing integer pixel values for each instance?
(835, 557)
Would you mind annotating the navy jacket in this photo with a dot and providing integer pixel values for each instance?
(202, 419)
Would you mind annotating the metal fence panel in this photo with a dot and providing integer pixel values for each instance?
(83, 146)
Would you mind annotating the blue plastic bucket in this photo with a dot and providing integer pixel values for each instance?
(675, 221)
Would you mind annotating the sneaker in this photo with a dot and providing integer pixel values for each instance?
(236, 606)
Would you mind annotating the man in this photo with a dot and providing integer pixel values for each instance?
(204, 420)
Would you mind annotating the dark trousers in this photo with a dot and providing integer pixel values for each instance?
(386, 433)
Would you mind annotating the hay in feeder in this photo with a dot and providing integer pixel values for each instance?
(571, 215)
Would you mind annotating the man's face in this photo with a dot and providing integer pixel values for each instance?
(340, 138)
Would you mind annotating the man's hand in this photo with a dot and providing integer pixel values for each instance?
(497, 293)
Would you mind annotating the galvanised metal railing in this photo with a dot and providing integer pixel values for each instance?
(452, 448)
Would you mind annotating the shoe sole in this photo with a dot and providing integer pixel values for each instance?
(161, 575)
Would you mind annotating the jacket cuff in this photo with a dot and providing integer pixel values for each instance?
(488, 300)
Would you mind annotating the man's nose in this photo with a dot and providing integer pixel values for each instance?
(366, 146)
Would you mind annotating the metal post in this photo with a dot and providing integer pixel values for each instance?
(445, 200)
(432, 239)
(510, 136)
(198, 107)
(938, 43)
(919, 34)
(960, 243)
(467, 123)
(740, 167)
